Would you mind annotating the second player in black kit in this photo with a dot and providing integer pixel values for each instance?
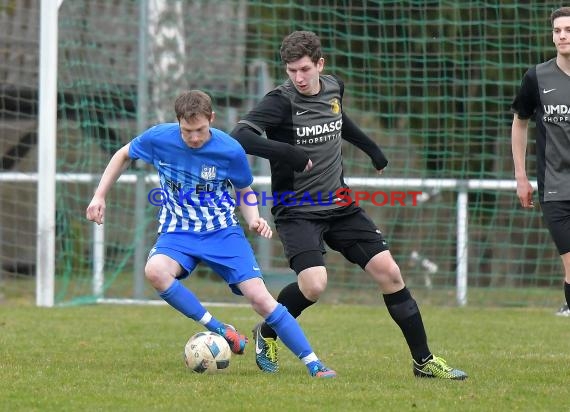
(305, 124)
(543, 95)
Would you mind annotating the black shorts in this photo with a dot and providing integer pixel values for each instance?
(556, 216)
(348, 230)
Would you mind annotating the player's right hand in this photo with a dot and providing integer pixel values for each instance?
(96, 211)
(524, 192)
(261, 226)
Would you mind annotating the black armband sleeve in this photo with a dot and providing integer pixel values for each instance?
(352, 134)
(256, 145)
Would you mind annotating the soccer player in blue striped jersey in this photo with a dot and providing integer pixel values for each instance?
(198, 166)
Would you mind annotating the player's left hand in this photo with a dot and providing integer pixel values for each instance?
(379, 172)
(262, 228)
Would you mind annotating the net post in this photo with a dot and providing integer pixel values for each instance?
(140, 185)
(462, 239)
(47, 127)
(98, 260)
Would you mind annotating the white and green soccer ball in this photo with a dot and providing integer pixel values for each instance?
(207, 352)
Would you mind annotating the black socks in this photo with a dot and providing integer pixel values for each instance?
(401, 306)
(405, 312)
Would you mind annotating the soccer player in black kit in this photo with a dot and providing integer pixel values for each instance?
(543, 94)
(305, 123)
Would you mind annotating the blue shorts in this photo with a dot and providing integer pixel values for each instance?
(226, 251)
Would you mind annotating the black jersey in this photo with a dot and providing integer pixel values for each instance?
(545, 95)
(315, 124)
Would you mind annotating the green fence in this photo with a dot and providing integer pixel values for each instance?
(430, 81)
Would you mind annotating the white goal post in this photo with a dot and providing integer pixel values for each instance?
(47, 127)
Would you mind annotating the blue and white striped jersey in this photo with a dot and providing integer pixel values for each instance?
(196, 183)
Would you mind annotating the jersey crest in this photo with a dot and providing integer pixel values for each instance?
(208, 172)
(335, 106)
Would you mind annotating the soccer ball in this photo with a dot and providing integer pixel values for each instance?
(207, 352)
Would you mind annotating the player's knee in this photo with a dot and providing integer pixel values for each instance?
(262, 303)
(393, 273)
(157, 275)
(313, 291)
(313, 282)
(385, 270)
(152, 275)
(311, 273)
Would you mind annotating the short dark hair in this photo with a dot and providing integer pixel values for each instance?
(561, 12)
(300, 44)
(191, 104)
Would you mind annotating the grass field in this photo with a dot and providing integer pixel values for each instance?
(129, 358)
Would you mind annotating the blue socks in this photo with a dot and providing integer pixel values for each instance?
(185, 302)
(289, 331)
(287, 328)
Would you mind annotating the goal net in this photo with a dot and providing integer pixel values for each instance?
(431, 82)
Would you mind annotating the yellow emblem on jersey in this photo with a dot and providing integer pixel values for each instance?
(335, 106)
